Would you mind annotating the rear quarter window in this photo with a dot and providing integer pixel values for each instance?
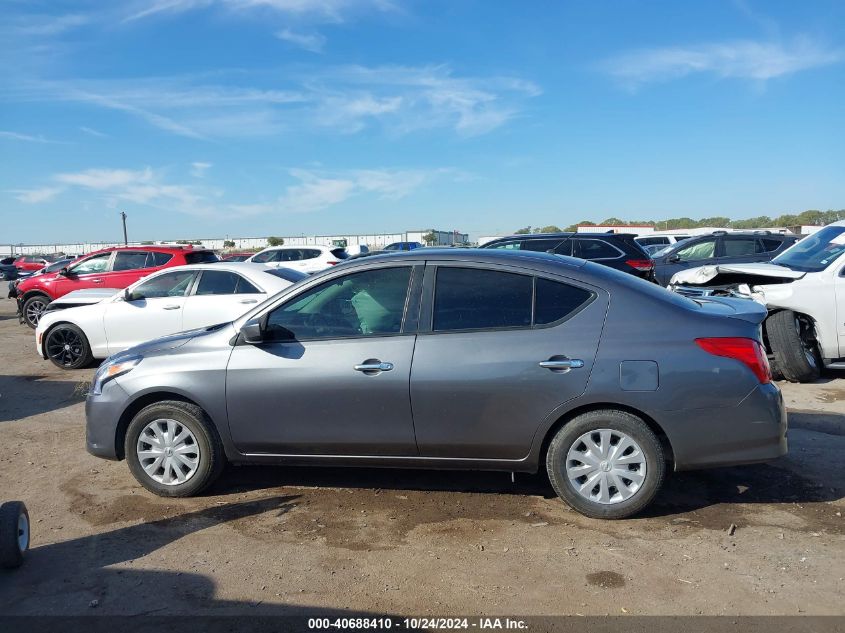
(555, 301)
(595, 249)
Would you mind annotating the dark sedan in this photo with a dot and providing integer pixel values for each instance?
(485, 360)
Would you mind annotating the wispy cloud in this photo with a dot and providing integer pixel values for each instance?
(91, 131)
(198, 169)
(313, 42)
(47, 25)
(35, 196)
(322, 10)
(743, 59)
(27, 138)
(146, 187)
(399, 99)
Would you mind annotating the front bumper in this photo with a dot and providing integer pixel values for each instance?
(753, 431)
(102, 418)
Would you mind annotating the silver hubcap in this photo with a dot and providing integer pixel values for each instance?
(605, 466)
(168, 452)
(23, 533)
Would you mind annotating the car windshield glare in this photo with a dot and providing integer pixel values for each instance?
(815, 252)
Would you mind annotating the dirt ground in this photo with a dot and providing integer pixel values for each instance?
(302, 540)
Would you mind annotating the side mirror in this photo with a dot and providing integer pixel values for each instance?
(253, 332)
(674, 259)
(64, 272)
(127, 295)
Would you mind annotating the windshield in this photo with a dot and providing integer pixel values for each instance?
(815, 252)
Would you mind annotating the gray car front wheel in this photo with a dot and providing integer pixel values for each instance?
(173, 449)
(606, 464)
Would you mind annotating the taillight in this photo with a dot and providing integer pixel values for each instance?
(745, 350)
(640, 264)
(332, 263)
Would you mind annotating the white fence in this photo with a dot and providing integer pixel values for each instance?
(372, 240)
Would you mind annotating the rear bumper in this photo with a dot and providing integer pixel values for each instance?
(753, 431)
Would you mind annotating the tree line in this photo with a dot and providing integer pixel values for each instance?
(810, 217)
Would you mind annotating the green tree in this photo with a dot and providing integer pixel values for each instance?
(430, 238)
(551, 228)
(147, 243)
(275, 241)
(228, 244)
(523, 231)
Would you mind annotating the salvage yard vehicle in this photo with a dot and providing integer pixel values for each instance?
(306, 259)
(172, 300)
(719, 247)
(31, 263)
(115, 267)
(803, 289)
(465, 358)
(617, 250)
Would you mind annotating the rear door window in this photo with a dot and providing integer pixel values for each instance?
(770, 245)
(595, 249)
(160, 259)
(474, 298)
(741, 246)
(217, 282)
(129, 260)
(310, 253)
(201, 257)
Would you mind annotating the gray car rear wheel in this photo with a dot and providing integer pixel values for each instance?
(606, 464)
(173, 449)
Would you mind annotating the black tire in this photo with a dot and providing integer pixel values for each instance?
(794, 346)
(209, 447)
(568, 435)
(31, 311)
(67, 347)
(13, 516)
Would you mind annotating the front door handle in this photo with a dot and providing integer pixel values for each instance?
(171, 307)
(96, 281)
(561, 364)
(373, 366)
(248, 301)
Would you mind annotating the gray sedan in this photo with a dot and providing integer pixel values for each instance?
(486, 360)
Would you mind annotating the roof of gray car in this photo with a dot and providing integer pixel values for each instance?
(478, 255)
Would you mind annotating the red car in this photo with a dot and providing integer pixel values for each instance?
(30, 263)
(236, 257)
(116, 268)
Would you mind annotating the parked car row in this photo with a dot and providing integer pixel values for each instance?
(803, 289)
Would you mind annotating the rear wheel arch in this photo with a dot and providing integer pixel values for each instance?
(603, 406)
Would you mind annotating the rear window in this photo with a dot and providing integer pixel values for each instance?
(288, 274)
(200, 257)
(339, 253)
(472, 298)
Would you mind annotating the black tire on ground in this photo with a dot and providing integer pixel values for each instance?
(67, 347)
(796, 353)
(212, 459)
(32, 309)
(632, 426)
(14, 528)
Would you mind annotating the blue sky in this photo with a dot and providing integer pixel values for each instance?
(204, 118)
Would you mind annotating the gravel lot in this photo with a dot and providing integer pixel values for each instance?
(300, 540)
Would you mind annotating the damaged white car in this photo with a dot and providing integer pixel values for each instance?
(803, 289)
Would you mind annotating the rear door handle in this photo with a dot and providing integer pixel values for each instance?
(373, 366)
(562, 364)
(96, 281)
(248, 301)
(171, 307)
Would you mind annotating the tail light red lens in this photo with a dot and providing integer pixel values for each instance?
(332, 263)
(746, 350)
(641, 264)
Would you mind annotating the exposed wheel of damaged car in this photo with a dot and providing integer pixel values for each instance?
(793, 342)
(173, 449)
(484, 360)
(606, 464)
(67, 347)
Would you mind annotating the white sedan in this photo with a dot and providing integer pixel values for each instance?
(169, 301)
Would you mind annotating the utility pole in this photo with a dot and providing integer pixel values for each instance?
(125, 238)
